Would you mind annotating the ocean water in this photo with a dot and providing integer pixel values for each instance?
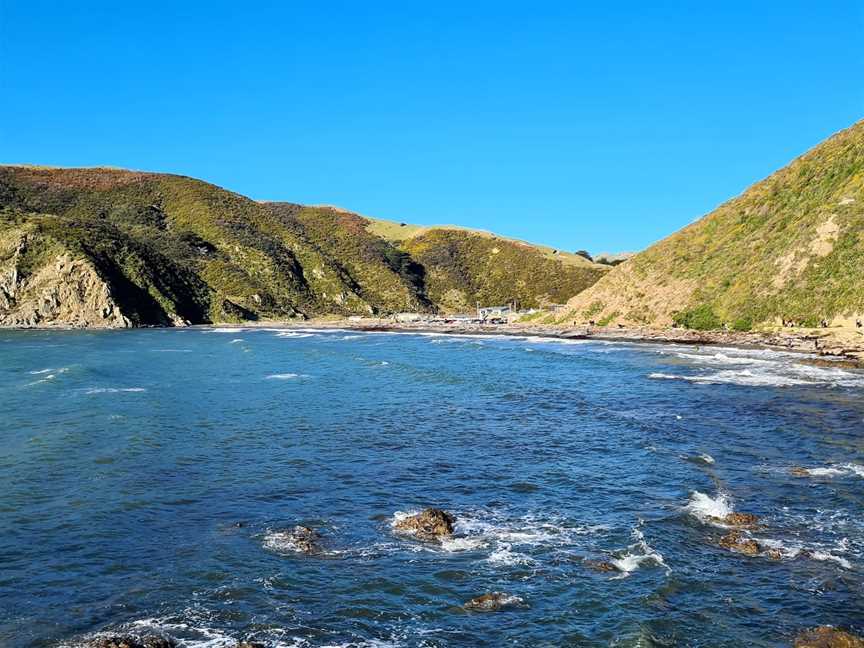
(145, 477)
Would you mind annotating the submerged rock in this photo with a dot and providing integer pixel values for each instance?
(151, 641)
(431, 524)
(827, 637)
(798, 471)
(739, 543)
(301, 539)
(743, 520)
(491, 602)
(601, 565)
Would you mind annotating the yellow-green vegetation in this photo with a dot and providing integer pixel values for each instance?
(464, 268)
(400, 233)
(789, 248)
(170, 249)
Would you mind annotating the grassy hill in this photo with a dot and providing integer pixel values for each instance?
(400, 233)
(790, 247)
(108, 247)
(465, 266)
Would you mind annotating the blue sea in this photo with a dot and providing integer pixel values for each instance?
(147, 478)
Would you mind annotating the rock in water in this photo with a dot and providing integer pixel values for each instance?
(301, 539)
(431, 524)
(827, 637)
(601, 565)
(742, 520)
(798, 471)
(734, 541)
(491, 602)
(132, 642)
(305, 539)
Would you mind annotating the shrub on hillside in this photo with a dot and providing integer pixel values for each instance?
(700, 318)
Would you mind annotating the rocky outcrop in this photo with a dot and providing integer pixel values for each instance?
(740, 520)
(491, 602)
(65, 292)
(827, 637)
(739, 543)
(301, 539)
(431, 524)
(41, 284)
(601, 565)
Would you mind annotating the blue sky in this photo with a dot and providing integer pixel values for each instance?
(603, 126)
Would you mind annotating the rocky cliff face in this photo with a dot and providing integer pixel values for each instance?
(64, 291)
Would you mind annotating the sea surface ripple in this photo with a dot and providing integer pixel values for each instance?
(147, 478)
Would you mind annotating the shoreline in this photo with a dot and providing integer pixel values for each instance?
(840, 345)
(821, 343)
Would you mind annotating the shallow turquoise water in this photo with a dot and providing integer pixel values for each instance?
(128, 458)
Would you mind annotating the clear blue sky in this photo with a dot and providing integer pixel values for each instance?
(596, 125)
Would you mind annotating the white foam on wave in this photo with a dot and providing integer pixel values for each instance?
(837, 470)
(702, 457)
(505, 540)
(46, 379)
(227, 329)
(637, 554)
(285, 376)
(743, 377)
(791, 550)
(281, 541)
(708, 509)
(47, 375)
(293, 334)
(236, 341)
(113, 390)
(196, 631)
(505, 556)
(306, 330)
(760, 368)
(722, 359)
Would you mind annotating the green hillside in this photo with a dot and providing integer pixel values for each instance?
(108, 247)
(399, 233)
(790, 247)
(464, 268)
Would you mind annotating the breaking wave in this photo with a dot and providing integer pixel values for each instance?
(708, 509)
(113, 390)
(836, 470)
(637, 554)
(505, 540)
(760, 368)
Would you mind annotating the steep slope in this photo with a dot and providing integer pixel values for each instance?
(463, 268)
(789, 248)
(108, 247)
(379, 272)
(175, 249)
